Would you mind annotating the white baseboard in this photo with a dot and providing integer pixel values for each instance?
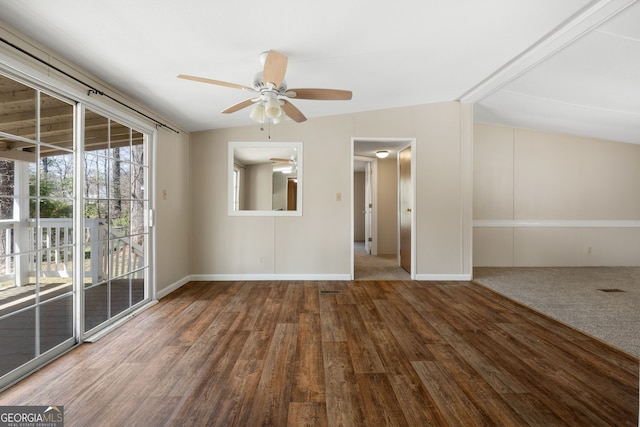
(243, 277)
(174, 286)
(444, 277)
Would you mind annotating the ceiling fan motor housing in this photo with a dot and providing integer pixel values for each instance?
(259, 85)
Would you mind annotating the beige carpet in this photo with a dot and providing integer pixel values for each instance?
(369, 267)
(603, 302)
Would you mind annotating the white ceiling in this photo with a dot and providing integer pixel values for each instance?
(408, 52)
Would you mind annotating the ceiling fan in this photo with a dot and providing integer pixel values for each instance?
(277, 161)
(272, 100)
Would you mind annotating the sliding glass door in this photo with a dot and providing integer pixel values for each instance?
(74, 239)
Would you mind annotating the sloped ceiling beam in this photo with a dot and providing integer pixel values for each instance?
(580, 24)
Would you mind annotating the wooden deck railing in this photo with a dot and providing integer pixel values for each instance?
(108, 252)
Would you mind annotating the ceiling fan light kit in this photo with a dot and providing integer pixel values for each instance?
(271, 102)
(272, 108)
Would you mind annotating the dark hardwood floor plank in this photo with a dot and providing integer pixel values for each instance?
(389, 350)
(413, 345)
(270, 402)
(331, 325)
(292, 303)
(308, 372)
(490, 403)
(344, 402)
(311, 298)
(364, 355)
(247, 302)
(307, 414)
(364, 302)
(578, 389)
(500, 381)
(452, 402)
(185, 377)
(204, 400)
(555, 398)
(417, 405)
(381, 406)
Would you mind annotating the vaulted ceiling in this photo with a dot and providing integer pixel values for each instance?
(570, 66)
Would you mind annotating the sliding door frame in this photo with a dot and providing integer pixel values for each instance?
(31, 75)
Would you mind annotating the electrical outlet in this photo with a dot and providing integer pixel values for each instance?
(338, 197)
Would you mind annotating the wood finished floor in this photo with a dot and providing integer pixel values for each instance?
(364, 353)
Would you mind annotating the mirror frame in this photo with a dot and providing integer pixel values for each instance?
(230, 168)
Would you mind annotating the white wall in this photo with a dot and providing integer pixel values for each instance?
(318, 243)
(546, 199)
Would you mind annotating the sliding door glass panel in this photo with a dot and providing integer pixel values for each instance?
(56, 320)
(96, 305)
(115, 230)
(36, 224)
(18, 290)
(120, 295)
(17, 335)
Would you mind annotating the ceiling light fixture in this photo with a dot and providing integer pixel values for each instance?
(257, 113)
(272, 108)
(381, 154)
(267, 107)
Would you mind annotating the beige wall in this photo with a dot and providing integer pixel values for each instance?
(172, 217)
(545, 199)
(318, 244)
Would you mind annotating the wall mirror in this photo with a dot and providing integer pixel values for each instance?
(265, 178)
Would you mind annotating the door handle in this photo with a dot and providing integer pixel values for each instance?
(408, 209)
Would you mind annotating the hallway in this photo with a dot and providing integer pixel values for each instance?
(369, 267)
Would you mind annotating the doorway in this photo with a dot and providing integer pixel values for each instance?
(376, 209)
